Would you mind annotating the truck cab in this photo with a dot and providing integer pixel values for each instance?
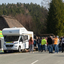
(16, 43)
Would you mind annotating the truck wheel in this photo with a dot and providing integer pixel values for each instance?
(19, 49)
(5, 51)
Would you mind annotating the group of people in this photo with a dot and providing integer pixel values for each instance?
(47, 43)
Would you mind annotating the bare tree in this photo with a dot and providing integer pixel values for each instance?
(45, 3)
(25, 20)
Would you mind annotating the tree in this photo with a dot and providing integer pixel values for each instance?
(38, 17)
(55, 20)
(31, 16)
(4, 11)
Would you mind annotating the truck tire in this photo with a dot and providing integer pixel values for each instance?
(19, 49)
(5, 51)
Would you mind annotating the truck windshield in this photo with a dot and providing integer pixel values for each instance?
(11, 38)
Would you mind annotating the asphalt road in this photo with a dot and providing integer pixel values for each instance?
(32, 58)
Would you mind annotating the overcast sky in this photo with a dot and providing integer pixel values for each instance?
(45, 2)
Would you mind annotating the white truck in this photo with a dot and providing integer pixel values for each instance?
(16, 39)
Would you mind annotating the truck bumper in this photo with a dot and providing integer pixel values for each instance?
(10, 48)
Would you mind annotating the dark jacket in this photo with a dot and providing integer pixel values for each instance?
(38, 41)
(49, 41)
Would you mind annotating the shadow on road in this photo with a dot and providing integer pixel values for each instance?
(13, 52)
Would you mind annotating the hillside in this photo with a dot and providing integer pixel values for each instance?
(32, 16)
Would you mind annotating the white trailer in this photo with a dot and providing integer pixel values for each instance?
(16, 38)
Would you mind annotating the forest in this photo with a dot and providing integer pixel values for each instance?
(32, 16)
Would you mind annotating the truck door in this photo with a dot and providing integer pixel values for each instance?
(26, 41)
(21, 42)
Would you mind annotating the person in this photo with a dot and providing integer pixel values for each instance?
(46, 48)
(31, 44)
(62, 44)
(56, 44)
(50, 44)
(43, 42)
(34, 42)
(39, 44)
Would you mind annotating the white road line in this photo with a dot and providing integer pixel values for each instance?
(34, 62)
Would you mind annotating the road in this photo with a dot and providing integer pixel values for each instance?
(32, 58)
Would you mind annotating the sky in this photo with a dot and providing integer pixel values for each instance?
(22, 1)
(45, 2)
(26, 1)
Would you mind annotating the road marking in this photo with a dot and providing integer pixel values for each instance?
(34, 62)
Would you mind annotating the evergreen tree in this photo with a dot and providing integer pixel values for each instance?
(55, 20)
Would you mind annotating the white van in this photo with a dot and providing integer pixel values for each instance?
(16, 38)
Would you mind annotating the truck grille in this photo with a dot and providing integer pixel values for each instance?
(9, 45)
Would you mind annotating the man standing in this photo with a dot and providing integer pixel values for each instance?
(43, 42)
(39, 43)
(62, 44)
(50, 44)
(56, 44)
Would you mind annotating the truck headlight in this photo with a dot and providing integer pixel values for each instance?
(15, 42)
(15, 45)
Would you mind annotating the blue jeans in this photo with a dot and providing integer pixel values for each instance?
(39, 47)
(56, 48)
(50, 47)
(31, 48)
(43, 47)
